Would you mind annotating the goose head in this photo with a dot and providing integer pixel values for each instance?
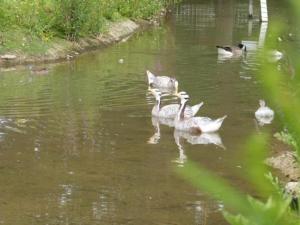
(183, 96)
(262, 103)
(181, 93)
(242, 47)
(156, 93)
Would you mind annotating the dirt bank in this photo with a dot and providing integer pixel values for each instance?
(66, 50)
(286, 162)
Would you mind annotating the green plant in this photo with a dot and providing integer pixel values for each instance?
(287, 138)
(271, 207)
(71, 19)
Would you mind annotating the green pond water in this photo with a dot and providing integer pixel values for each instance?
(78, 145)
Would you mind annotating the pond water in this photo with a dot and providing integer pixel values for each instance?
(78, 146)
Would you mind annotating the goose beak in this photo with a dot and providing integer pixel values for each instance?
(176, 94)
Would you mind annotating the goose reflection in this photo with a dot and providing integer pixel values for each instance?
(182, 156)
(154, 139)
(156, 121)
(202, 139)
(264, 120)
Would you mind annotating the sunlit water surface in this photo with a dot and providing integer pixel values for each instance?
(78, 145)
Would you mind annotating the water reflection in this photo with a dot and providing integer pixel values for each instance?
(227, 58)
(103, 208)
(194, 139)
(200, 139)
(65, 196)
(182, 156)
(154, 139)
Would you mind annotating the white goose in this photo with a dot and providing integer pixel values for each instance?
(171, 110)
(264, 114)
(195, 124)
(163, 82)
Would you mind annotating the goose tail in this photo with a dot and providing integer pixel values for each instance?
(218, 123)
(220, 120)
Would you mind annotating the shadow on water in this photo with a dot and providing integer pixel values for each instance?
(75, 141)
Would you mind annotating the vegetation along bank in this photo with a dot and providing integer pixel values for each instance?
(49, 30)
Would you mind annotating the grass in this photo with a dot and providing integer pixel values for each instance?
(31, 26)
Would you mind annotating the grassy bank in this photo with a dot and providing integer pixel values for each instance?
(32, 26)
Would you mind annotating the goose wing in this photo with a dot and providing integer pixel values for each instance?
(195, 108)
(169, 111)
(226, 48)
(208, 125)
(163, 81)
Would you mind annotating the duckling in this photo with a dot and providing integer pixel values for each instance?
(232, 50)
(195, 124)
(171, 110)
(264, 114)
(162, 82)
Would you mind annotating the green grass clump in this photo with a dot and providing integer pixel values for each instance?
(286, 138)
(43, 20)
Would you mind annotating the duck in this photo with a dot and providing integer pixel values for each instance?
(195, 124)
(264, 114)
(232, 50)
(162, 82)
(171, 110)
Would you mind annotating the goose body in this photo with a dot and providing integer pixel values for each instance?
(199, 124)
(231, 50)
(263, 110)
(163, 82)
(195, 124)
(170, 111)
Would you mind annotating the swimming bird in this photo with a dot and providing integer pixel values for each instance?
(171, 110)
(162, 82)
(231, 50)
(264, 114)
(195, 124)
